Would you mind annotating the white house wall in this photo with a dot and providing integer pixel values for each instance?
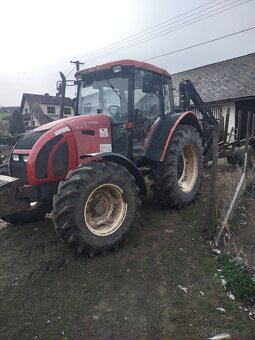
(26, 108)
(232, 107)
(57, 111)
(36, 122)
(221, 107)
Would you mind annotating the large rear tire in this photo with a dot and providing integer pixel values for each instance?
(177, 179)
(94, 208)
(36, 213)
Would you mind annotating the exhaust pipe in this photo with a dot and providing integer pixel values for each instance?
(62, 90)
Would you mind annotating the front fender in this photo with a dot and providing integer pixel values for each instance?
(123, 161)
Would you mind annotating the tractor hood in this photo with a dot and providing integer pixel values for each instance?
(47, 153)
(78, 123)
(51, 125)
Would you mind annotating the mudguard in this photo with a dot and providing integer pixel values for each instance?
(123, 161)
(163, 131)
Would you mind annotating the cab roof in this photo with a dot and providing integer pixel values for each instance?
(125, 62)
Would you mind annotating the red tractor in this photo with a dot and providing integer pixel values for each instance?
(89, 169)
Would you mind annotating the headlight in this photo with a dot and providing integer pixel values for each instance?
(25, 158)
(15, 158)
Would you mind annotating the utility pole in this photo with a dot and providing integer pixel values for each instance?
(77, 63)
(75, 106)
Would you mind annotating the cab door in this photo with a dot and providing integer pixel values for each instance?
(151, 100)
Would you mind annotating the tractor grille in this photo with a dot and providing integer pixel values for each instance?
(19, 168)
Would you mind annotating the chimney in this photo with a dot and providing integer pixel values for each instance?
(46, 94)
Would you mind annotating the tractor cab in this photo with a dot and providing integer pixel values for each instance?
(134, 95)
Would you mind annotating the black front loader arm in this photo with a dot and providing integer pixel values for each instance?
(188, 92)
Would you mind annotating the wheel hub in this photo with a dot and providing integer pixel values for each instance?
(105, 210)
(187, 168)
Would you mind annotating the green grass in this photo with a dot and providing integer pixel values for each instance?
(238, 279)
(4, 115)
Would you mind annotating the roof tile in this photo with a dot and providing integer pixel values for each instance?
(229, 79)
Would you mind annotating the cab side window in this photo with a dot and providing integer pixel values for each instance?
(146, 100)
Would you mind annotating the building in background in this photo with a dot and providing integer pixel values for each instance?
(227, 84)
(39, 109)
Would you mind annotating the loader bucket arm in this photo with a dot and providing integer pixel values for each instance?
(188, 92)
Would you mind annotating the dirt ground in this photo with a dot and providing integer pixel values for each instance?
(244, 230)
(162, 284)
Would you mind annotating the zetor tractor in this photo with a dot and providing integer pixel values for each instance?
(89, 169)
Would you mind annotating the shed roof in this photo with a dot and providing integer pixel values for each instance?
(225, 80)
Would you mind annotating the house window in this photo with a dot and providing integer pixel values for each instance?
(50, 109)
(67, 110)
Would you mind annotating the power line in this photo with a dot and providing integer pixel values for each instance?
(200, 44)
(154, 33)
(150, 30)
(71, 71)
(145, 30)
(172, 29)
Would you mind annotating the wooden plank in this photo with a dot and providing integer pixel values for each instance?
(226, 126)
(239, 126)
(253, 125)
(212, 198)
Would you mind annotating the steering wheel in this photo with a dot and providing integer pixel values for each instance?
(113, 109)
(115, 112)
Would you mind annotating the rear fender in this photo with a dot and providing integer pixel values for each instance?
(123, 161)
(162, 134)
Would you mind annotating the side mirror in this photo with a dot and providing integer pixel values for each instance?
(150, 83)
(59, 87)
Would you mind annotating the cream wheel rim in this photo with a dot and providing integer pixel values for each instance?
(188, 162)
(105, 210)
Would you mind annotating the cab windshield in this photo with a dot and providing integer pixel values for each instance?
(108, 96)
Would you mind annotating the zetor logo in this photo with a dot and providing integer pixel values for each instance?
(63, 130)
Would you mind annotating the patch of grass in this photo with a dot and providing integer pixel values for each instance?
(4, 115)
(238, 279)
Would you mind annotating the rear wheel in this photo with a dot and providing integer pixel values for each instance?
(35, 213)
(177, 179)
(95, 207)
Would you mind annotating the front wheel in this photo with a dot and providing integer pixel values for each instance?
(177, 179)
(95, 207)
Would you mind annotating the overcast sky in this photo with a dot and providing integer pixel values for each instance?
(39, 38)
